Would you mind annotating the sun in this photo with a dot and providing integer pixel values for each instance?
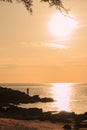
(60, 25)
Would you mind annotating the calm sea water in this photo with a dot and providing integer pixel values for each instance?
(67, 96)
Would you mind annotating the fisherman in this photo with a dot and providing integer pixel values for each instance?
(27, 91)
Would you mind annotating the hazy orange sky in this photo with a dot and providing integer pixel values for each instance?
(25, 51)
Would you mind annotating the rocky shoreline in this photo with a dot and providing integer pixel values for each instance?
(8, 109)
(8, 95)
(14, 112)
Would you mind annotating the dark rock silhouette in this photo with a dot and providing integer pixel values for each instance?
(8, 95)
(46, 99)
(12, 111)
(67, 127)
(79, 120)
(10, 98)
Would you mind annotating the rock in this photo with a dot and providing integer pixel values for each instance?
(67, 127)
(46, 99)
(12, 111)
(8, 96)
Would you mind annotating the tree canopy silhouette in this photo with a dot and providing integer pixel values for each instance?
(29, 3)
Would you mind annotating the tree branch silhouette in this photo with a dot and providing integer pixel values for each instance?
(29, 3)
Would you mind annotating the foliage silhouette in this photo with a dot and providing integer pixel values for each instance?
(29, 3)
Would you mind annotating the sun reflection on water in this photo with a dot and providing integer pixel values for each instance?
(61, 93)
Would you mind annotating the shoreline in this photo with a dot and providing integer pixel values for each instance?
(16, 117)
(35, 115)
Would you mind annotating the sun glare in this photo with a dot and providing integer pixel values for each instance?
(61, 93)
(60, 25)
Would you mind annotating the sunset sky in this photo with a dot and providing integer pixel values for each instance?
(29, 52)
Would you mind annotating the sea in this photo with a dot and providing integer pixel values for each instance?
(71, 97)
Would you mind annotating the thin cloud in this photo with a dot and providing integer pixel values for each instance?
(53, 44)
